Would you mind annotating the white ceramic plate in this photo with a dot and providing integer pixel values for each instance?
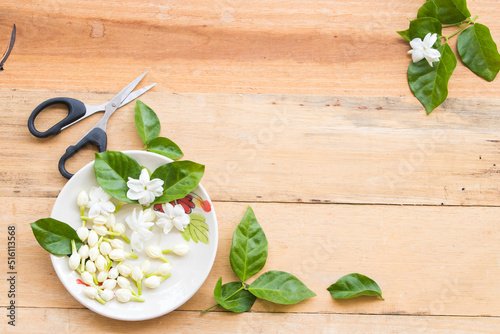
(188, 272)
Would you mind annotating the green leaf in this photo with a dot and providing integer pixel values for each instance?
(479, 52)
(233, 297)
(146, 121)
(249, 248)
(354, 285)
(165, 147)
(452, 11)
(55, 236)
(421, 27)
(405, 34)
(430, 84)
(197, 229)
(280, 287)
(180, 177)
(112, 170)
(428, 9)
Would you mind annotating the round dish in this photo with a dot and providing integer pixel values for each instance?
(188, 272)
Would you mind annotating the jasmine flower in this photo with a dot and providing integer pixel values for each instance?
(144, 190)
(99, 203)
(172, 216)
(423, 49)
(140, 228)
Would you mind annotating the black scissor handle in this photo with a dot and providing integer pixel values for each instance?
(76, 110)
(96, 137)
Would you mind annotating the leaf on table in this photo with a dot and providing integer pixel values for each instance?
(421, 27)
(228, 297)
(428, 9)
(405, 34)
(452, 11)
(197, 229)
(430, 84)
(180, 177)
(479, 52)
(55, 236)
(165, 147)
(249, 248)
(112, 170)
(280, 287)
(146, 121)
(354, 285)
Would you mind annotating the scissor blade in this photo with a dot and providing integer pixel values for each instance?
(132, 96)
(9, 48)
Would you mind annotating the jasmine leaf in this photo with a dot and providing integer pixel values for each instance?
(280, 287)
(405, 34)
(112, 170)
(180, 177)
(197, 229)
(233, 297)
(428, 9)
(354, 285)
(55, 236)
(421, 27)
(165, 147)
(452, 11)
(249, 248)
(146, 121)
(479, 52)
(430, 84)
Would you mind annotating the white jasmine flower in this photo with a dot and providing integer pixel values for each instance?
(172, 216)
(103, 275)
(137, 274)
(149, 215)
(109, 284)
(423, 49)
(105, 248)
(83, 233)
(113, 273)
(123, 283)
(181, 249)
(99, 203)
(93, 238)
(107, 294)
(119, 228)
(144, 190)
(140, 228)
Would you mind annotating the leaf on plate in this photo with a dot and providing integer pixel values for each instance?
(180, 177)
(479, 52)
(421, 27)
(354, 285)
(249, 248)
(452, 11)
(146, 121)
(231, 297)
(197, 229)
(428, 9)
(112, 170)
(55, 236)
(165, 147)
(280, 287)
(430, 84)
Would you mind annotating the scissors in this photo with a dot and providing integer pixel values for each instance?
(77, 111)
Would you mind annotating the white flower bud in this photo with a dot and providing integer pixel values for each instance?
(145, 266)
(87, 278)
(123, 282)
(107, 294)
(123, 295)
(100, 229)
(113, 273)
(109, 284)
(105, 248)
(117, 254)
(111, 221)
(137, 274)
(102, 276)
(154, 251)
(84, 252)
(124, 269)
(149, 215)
(152, 282)
(164, 269)
(94, 253)
(181, 249)
(83, 233)
(119, 228)
(74, 261)
(90, 292)
(117, 243)
(93, 238)
(100, 220)
(82, 199)
(101, 263)
(90, 266)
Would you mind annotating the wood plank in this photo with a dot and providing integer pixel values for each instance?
(427, 260)
(47, 320)
(335, 47)
(284, 148)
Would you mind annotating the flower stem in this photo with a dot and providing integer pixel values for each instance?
(119, 206)
(467, 23)
(137, 299)
(207, 309)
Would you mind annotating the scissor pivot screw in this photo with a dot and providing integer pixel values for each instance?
(113, 104)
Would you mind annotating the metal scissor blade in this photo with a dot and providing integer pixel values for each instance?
(132, 96)
(9, 48)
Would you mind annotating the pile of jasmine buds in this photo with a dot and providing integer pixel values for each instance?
(100, 261)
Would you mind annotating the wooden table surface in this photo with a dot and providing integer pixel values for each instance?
(298, 108)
